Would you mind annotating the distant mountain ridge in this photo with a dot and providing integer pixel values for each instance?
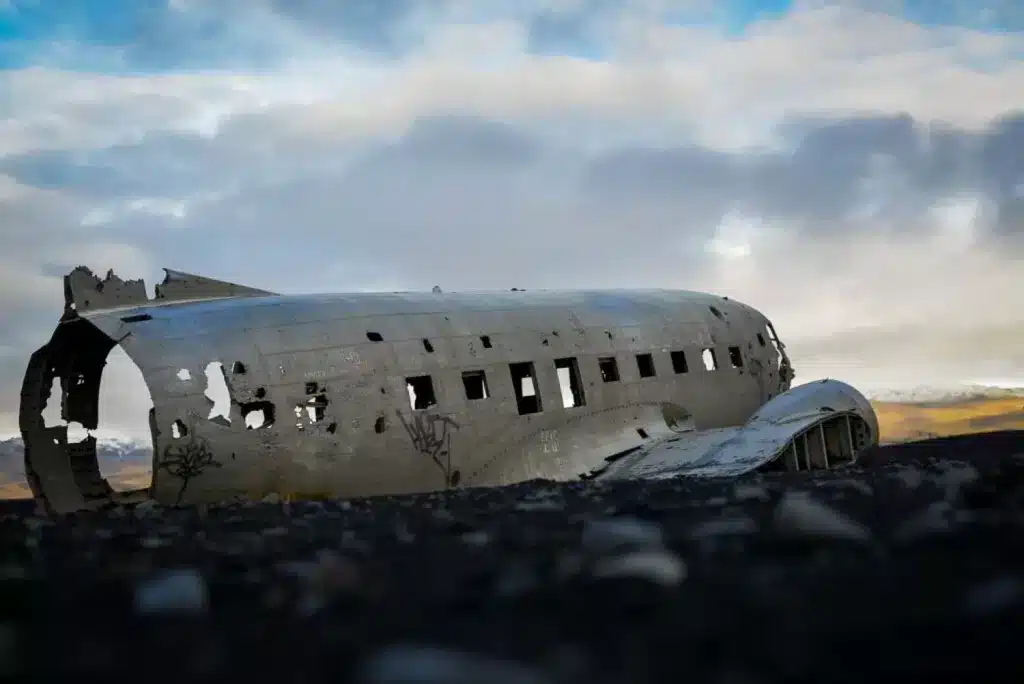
(932, 394)
(117, 452)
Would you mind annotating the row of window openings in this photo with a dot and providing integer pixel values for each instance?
(524, 379)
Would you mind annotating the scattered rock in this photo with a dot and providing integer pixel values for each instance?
(936, 518)
(174, 592)
(580, 596)
(612, 534)
(797, 513)
(443, 515)
(724, 526)
(402, 533)
(849, 483)
(146, 508)
(35, 524)
(659, 566)
(541, 505)
(911, 476)
(153, 542)
(749, 492)
(426, 665)
(952, 476)
(994, 596)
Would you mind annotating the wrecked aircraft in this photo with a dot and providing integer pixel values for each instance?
(362, 394)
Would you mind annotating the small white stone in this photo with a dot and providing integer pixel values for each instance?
(938, 517)
(746, 492)
(659, 566)
(607, 535)
(954, 476)
(427, 665)
(910, 476)
(540, 505)
(723, 527)
(152, 542)
(403, 534)
(145, 508)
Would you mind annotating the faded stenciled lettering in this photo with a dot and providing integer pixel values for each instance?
(549, 441)
(431, 435)
(351, 357)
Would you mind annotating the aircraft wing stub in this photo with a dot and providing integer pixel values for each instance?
(819, 425)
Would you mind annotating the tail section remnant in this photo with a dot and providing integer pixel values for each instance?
(84, 291)
(64, 475)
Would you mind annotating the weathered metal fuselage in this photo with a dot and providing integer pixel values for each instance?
(361, 394)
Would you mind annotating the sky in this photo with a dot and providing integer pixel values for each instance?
(854, 169)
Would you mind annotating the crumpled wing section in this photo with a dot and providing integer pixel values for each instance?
(818, 425)
(84, 291)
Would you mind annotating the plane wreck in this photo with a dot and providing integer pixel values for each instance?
(336, 395)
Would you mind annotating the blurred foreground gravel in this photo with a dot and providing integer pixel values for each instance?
(909, 564)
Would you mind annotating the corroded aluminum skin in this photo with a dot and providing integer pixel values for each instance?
(333, 368)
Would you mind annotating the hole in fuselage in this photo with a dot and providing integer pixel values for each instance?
(524, 384)
(106, 422)
(569, 382)
(217, 393)
(421, 392)
(124, 443)
(103, 430)
(259, 414)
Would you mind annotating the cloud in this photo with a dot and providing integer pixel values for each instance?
(851, 169)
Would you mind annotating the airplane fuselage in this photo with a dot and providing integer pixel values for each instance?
(362, 394)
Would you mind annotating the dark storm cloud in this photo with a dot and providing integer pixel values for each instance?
(833, 170)
(161, 164)
(1002, 164)
(478, 187)
(466, 141)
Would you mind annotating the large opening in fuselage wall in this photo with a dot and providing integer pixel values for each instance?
(124, 437)
(85, 418)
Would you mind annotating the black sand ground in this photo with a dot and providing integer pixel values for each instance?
(912, 564)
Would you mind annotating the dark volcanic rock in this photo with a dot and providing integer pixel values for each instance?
(911, 564)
